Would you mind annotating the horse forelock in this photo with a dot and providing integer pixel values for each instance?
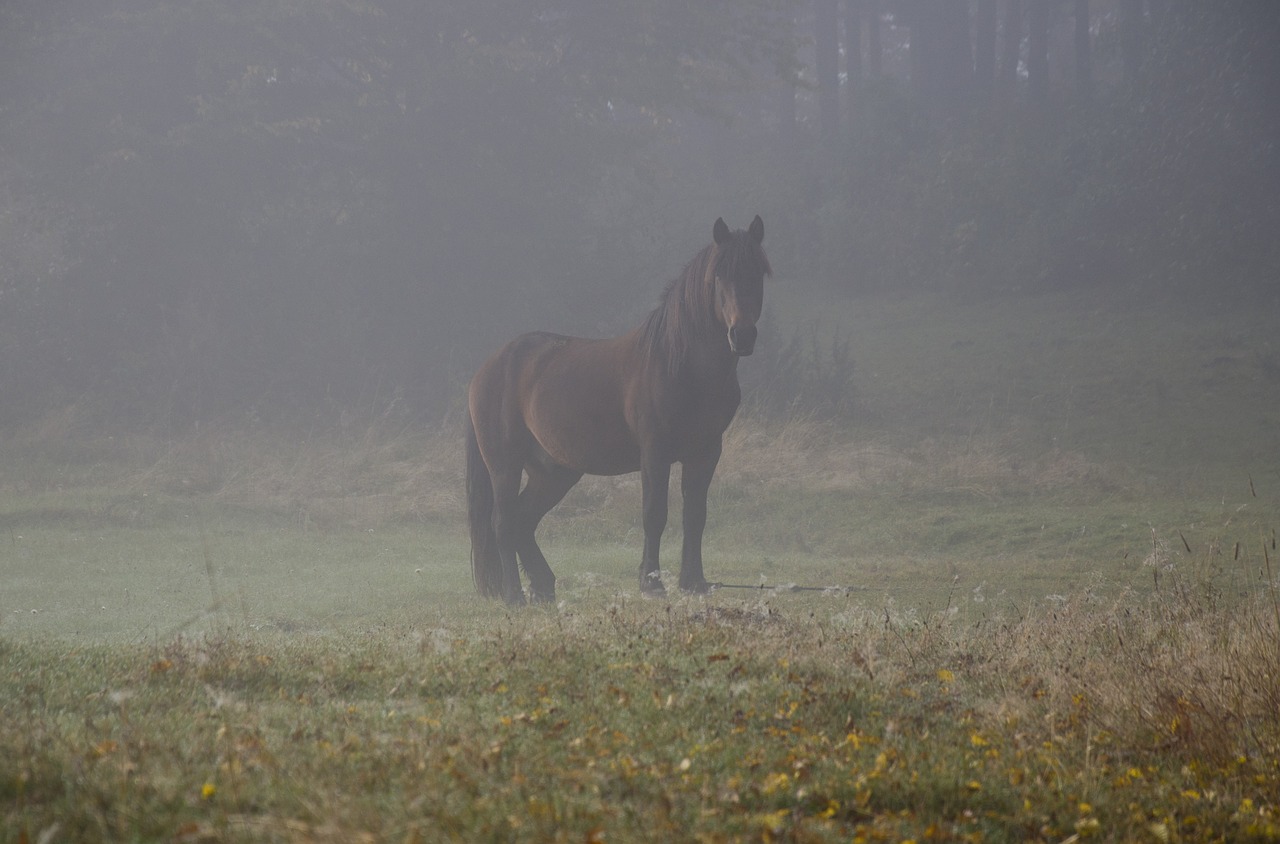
(740, 255)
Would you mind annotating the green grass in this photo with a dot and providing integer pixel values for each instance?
(1056, 519)
(630, 720)
(1180, 392)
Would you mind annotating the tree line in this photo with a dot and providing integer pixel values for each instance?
(236, 209)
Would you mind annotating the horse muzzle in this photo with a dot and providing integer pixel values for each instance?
(742, 339)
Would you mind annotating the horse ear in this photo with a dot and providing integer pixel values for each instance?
(720, 232)
(757, 230)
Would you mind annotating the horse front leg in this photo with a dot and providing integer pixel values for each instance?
(695, 481)
(655, 475)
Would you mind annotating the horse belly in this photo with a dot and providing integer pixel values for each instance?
(586, 444)
(581, 425)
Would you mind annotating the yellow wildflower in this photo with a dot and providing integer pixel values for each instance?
(775, 822)
(1087, 827)
(775, 782)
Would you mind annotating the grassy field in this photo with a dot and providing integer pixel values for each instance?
(1054, 520)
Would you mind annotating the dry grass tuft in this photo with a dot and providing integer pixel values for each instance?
(1174, 671)
(389, 472)
(358, 481)
(820, 456)
(806, 452)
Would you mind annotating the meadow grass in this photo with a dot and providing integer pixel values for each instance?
(1058, 620)
(619, 719)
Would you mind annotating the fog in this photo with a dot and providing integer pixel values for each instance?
(993, 532)
(272, 212)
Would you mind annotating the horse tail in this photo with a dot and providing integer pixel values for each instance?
(486, 564)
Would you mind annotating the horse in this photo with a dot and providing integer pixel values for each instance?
(551, 408)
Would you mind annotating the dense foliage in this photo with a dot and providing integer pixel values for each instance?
(264, 209)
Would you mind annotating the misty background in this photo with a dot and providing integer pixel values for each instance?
(268, 212)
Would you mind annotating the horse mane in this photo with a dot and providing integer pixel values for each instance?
(686, 306)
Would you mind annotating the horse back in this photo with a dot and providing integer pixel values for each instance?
(594, 406)
(561, 395)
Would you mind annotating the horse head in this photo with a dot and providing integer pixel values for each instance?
(739, 269)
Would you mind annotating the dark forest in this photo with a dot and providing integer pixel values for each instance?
(234, 210)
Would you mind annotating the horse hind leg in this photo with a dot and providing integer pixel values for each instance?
(547, 485)
(506, 528)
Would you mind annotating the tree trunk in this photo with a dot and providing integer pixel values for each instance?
(957, 67)
(826, 47)
(941, 56)
(1084, 62)
(853, 10)
(1038, 51)
(784, 90)
(984, 48)
(875, 66)
(1132, 37)
(785, 109)
(1010, 48)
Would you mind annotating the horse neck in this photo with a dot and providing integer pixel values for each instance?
(687, 339)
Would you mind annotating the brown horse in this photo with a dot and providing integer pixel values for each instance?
(555, 408)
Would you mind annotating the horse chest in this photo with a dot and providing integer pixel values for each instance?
(696, 416)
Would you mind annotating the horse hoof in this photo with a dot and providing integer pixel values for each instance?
(651, 585)
(701, 587)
